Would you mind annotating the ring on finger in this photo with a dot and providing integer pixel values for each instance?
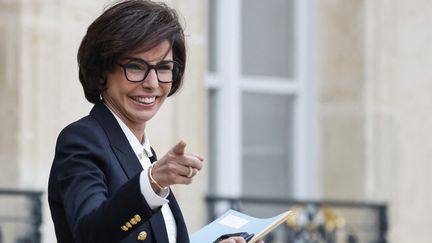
(190, 172)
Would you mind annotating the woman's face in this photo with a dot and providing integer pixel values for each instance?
(136, 103)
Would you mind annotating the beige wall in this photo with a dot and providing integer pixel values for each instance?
(374, 85)
(341, 81)
(375, 108)
(400, 114)
(8, 94)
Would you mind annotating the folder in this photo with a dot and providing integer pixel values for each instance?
(233, 221)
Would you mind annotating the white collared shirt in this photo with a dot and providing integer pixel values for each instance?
(143, 152)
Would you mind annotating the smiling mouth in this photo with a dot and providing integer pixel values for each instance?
(144, 100)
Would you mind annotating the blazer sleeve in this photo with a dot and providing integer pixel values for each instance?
(93, 211)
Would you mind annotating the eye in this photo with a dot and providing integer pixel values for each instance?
(167, 66)
(134, 66)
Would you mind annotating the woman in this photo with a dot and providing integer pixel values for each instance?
(106, 183)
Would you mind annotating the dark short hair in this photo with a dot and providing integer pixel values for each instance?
(125, 27)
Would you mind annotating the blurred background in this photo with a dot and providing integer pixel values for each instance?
(319, 106)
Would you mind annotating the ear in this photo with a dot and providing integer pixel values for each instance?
(102, 81)
(102, 78)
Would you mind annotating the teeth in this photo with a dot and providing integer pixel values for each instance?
(144, 100)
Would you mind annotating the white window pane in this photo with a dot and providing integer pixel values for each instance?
(212, 36)
(267, 38)
(211, 102)
(266, 145)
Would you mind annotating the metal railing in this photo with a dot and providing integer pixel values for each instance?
(316, 221)
(20, 216)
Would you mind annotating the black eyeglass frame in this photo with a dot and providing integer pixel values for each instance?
(175, 70)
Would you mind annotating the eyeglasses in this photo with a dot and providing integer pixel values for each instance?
(136, 70)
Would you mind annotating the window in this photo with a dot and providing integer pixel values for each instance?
(261, 98)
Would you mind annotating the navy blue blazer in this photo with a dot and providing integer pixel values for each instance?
(94, 190)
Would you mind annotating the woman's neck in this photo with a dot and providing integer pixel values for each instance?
(135, 128)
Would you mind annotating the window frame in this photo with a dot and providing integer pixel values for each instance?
(227, 83)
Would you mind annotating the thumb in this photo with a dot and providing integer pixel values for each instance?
(179, 148)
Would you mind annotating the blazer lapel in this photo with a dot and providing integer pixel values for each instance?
(182, 233)
(118, 140)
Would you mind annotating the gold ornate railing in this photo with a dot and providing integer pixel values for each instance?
(326, 221)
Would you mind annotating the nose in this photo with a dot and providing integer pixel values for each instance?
(151, 81)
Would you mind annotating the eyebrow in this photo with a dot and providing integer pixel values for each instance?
(144, 61)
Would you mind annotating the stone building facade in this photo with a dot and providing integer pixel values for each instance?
(372, 100)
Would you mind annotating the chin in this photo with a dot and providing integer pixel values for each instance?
(145, 118)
